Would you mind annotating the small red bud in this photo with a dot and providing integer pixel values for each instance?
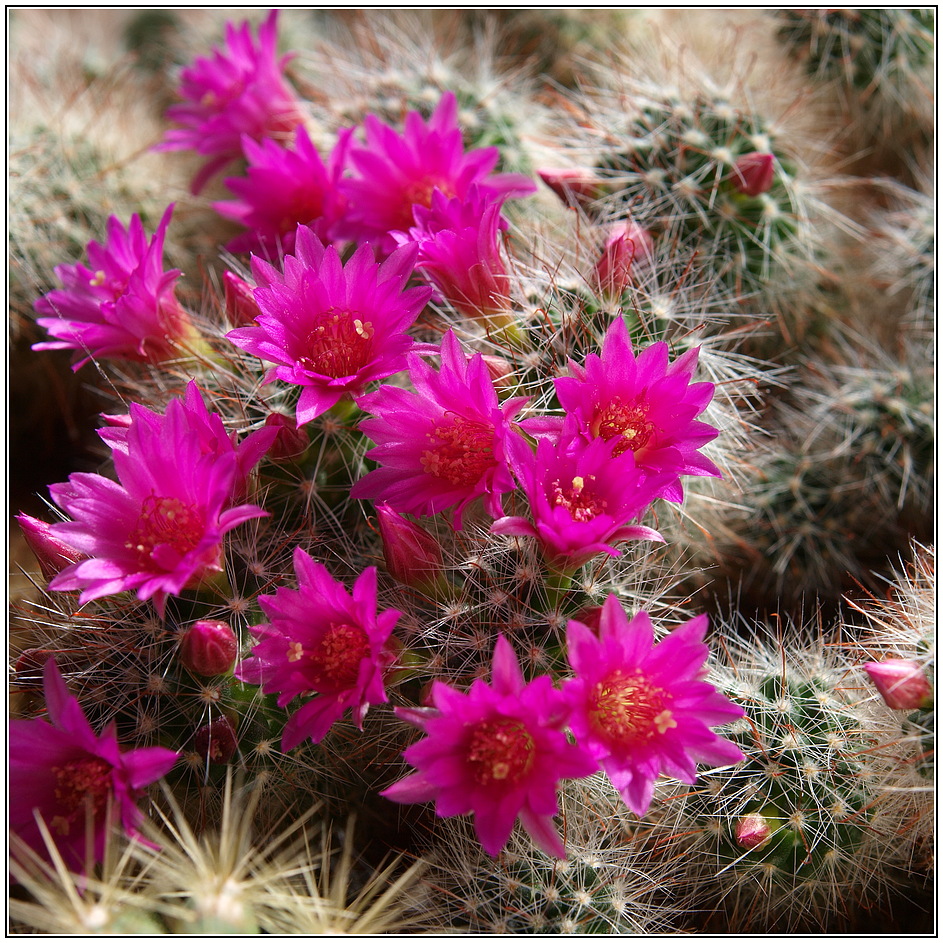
(901, 682)
(289, 441)
(241, 307)
(590, 617)
(753, 173)
(216, 741)
(413, 556)
(576, 186)
(52, 553)
(500, 370)
(628, 246)
(752, 830)
(209, 647)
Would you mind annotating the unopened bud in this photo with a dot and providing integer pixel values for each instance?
(500, 370)
(752, 830)
(576, 186)
(289, 441)
(241, 307)
(901, 682)
(627, 247)
(590, 617)
(753, 173)
(52, 553)
(209, 647)
(413, 556)
(216, 741)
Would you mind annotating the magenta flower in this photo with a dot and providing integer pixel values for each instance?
(641, 709)
(61, 769)
(332, 328)
(207, 427)
(643, 405)
(497, 751)
(444, 445)
(582, 497)
(240, 90)
(395, 172)
(283, 188)
(322, 640)
(460, 253)
(123, 305)
(159, 528)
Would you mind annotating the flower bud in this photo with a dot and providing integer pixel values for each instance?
(413, 556)
(216, 741)
(753, 173)
(901, 682)
(590, 617)
(576, 186)
(241, 307)
(289, 441)
(627, 247)
(752, 830)
(500, 370)
(52, 553)
(209, 647)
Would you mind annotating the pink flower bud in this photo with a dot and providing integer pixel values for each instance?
(752, 830)
(52, 553)
(209, 647)
(576, 186)
(413, 556)
(216, 741)
(901, 682)
(500, 370)
(289, 441)
(117, 420)
(28, 670)
(590, 616)
(753, 173)
(627, 247)
(241, 307)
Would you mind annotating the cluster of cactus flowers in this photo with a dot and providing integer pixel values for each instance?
(385, 483)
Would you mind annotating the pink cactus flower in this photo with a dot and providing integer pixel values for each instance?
(395, 172)
(60, 768)
(323, 640)
(643, 405)
(497, 751)
(443, 445)
(753, 173)
(282, 188)
(122, 305)
(460, 253)
(240, 90)
(628, 248)
(901, 682)
(641, 709)
(582, 497)
(206, 426)
(159, 528)
(332, 328)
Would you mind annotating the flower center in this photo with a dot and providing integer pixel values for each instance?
(339, 346)
(629, 423)
(165, 522)
(334, 662)
(79, 782)
(419, 193)
(581, 502)
(462, 451)
(500, 751)
(627, 709)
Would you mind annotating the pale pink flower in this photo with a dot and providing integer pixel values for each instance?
(497, 751)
